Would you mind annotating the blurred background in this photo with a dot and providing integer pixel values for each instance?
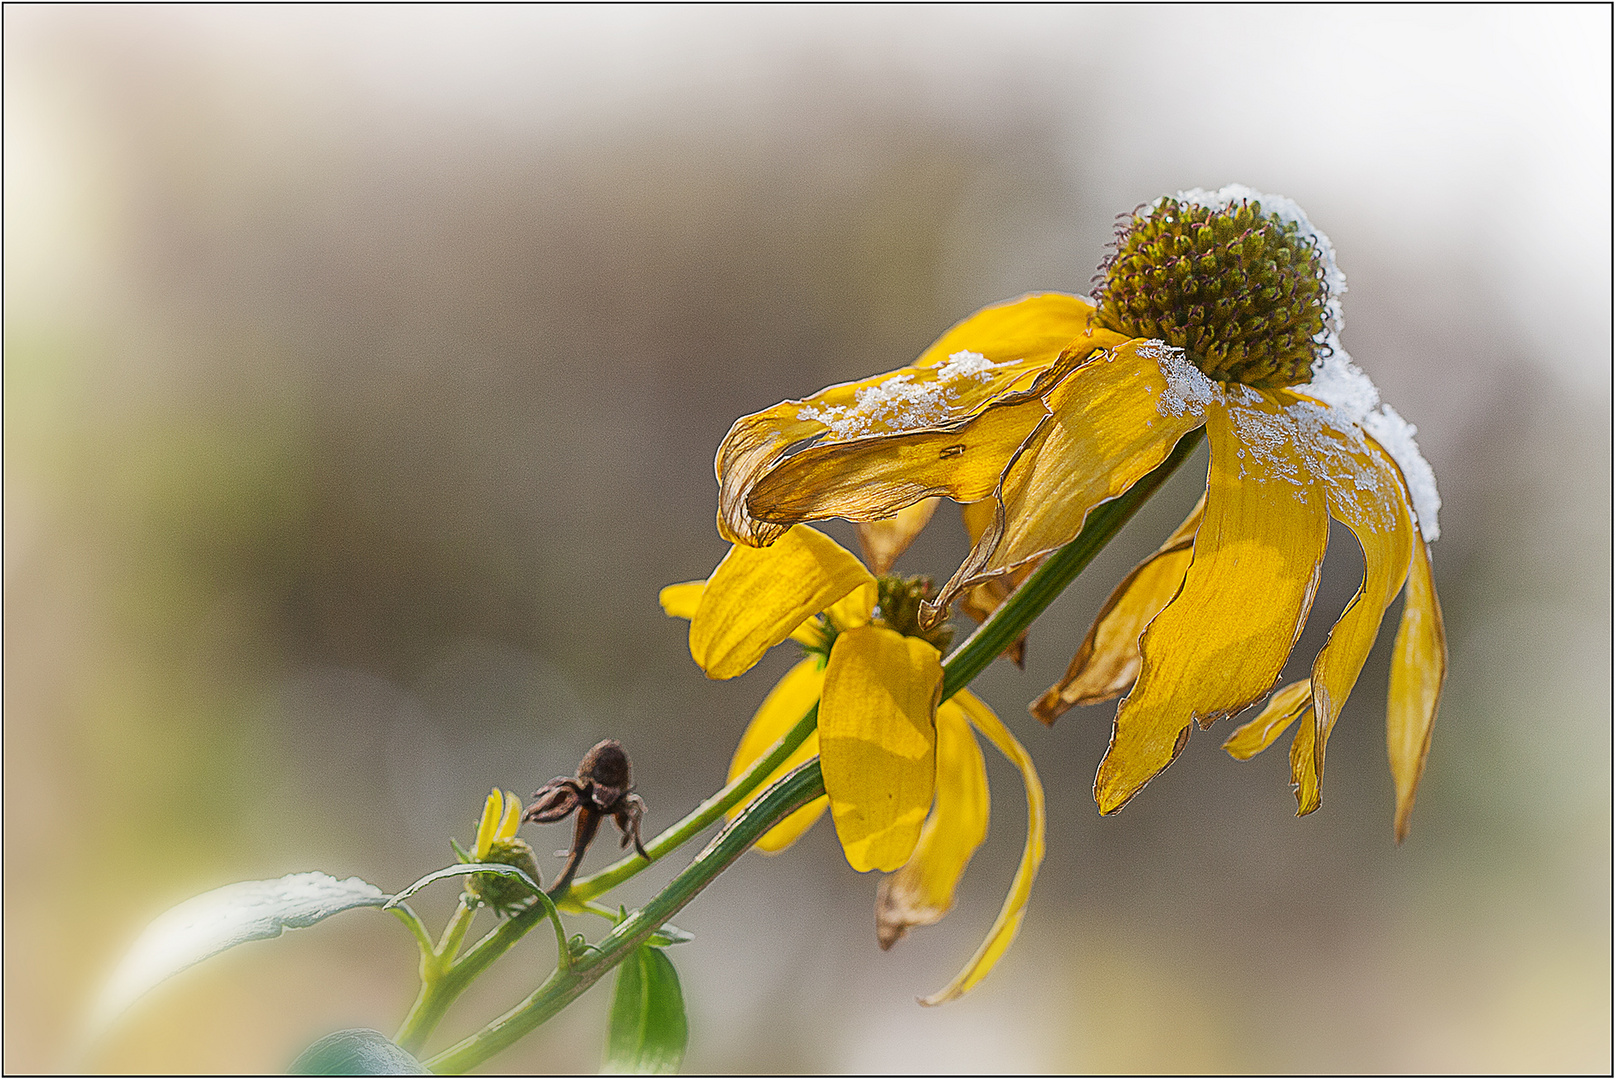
(363, 374)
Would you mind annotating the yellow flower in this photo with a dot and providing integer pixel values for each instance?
(904, 777)
(1218, 310)
(497, 842)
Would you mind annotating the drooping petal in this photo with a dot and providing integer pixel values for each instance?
(1113, 419)
(1419, 664)
(1304, 776)
(758, 596)
(786, 704)
(680, 601)
(1221, 642)
(1004, 928)
(922, 892)
(877, 742)
(872, 478)
(1364, 491)
(488, 827)
(1107, 662)
(1019, 339)
(512, 819)
(881, 542)
(1255, 736)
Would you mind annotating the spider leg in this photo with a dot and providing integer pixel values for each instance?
(582, 833)
(630, 810)
(555, 800)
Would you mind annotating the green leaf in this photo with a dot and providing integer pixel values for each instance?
(461, 870)
(356, 1052)
(648, 1030)
(207, 925)
(669, 934)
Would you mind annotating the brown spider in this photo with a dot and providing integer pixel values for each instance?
(603, 788)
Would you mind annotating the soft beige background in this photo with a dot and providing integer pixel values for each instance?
(363, 373)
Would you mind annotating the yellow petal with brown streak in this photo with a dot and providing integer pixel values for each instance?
(873, 478)
(877, 742)
(1221, 642)
(1021, 338)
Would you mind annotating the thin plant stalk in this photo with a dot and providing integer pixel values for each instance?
(790, 793)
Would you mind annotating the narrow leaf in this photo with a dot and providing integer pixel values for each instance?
(648, 1031)
(461, 870)
(357, 1052)
(206, 925)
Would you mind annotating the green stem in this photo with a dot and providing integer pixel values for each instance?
(793, 791)
(435, 995)
(798, 788)
(410, 919)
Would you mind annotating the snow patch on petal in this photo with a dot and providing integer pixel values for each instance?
(1188, 391)
(902, 403)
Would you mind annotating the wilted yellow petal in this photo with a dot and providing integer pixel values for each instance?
(1004, 928)
(488, 827)
(877, 742)
(512, 819)
(1419, 664)
(1255, 736)
(1107, 662)
(1304, 778)
(1364, 491)
(923, 890)
(787, 703)
(881, 542)
(1021, 338)
(1108, 428)
(758, 596)
(1221, 642)
(872, 478)
(679, 601)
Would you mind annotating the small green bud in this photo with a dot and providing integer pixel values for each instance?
(506, 895)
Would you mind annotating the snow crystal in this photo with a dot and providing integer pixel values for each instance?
(1397, 436)
(1189, 391)
(964, 365)
(901, 403)
(1338, 382)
